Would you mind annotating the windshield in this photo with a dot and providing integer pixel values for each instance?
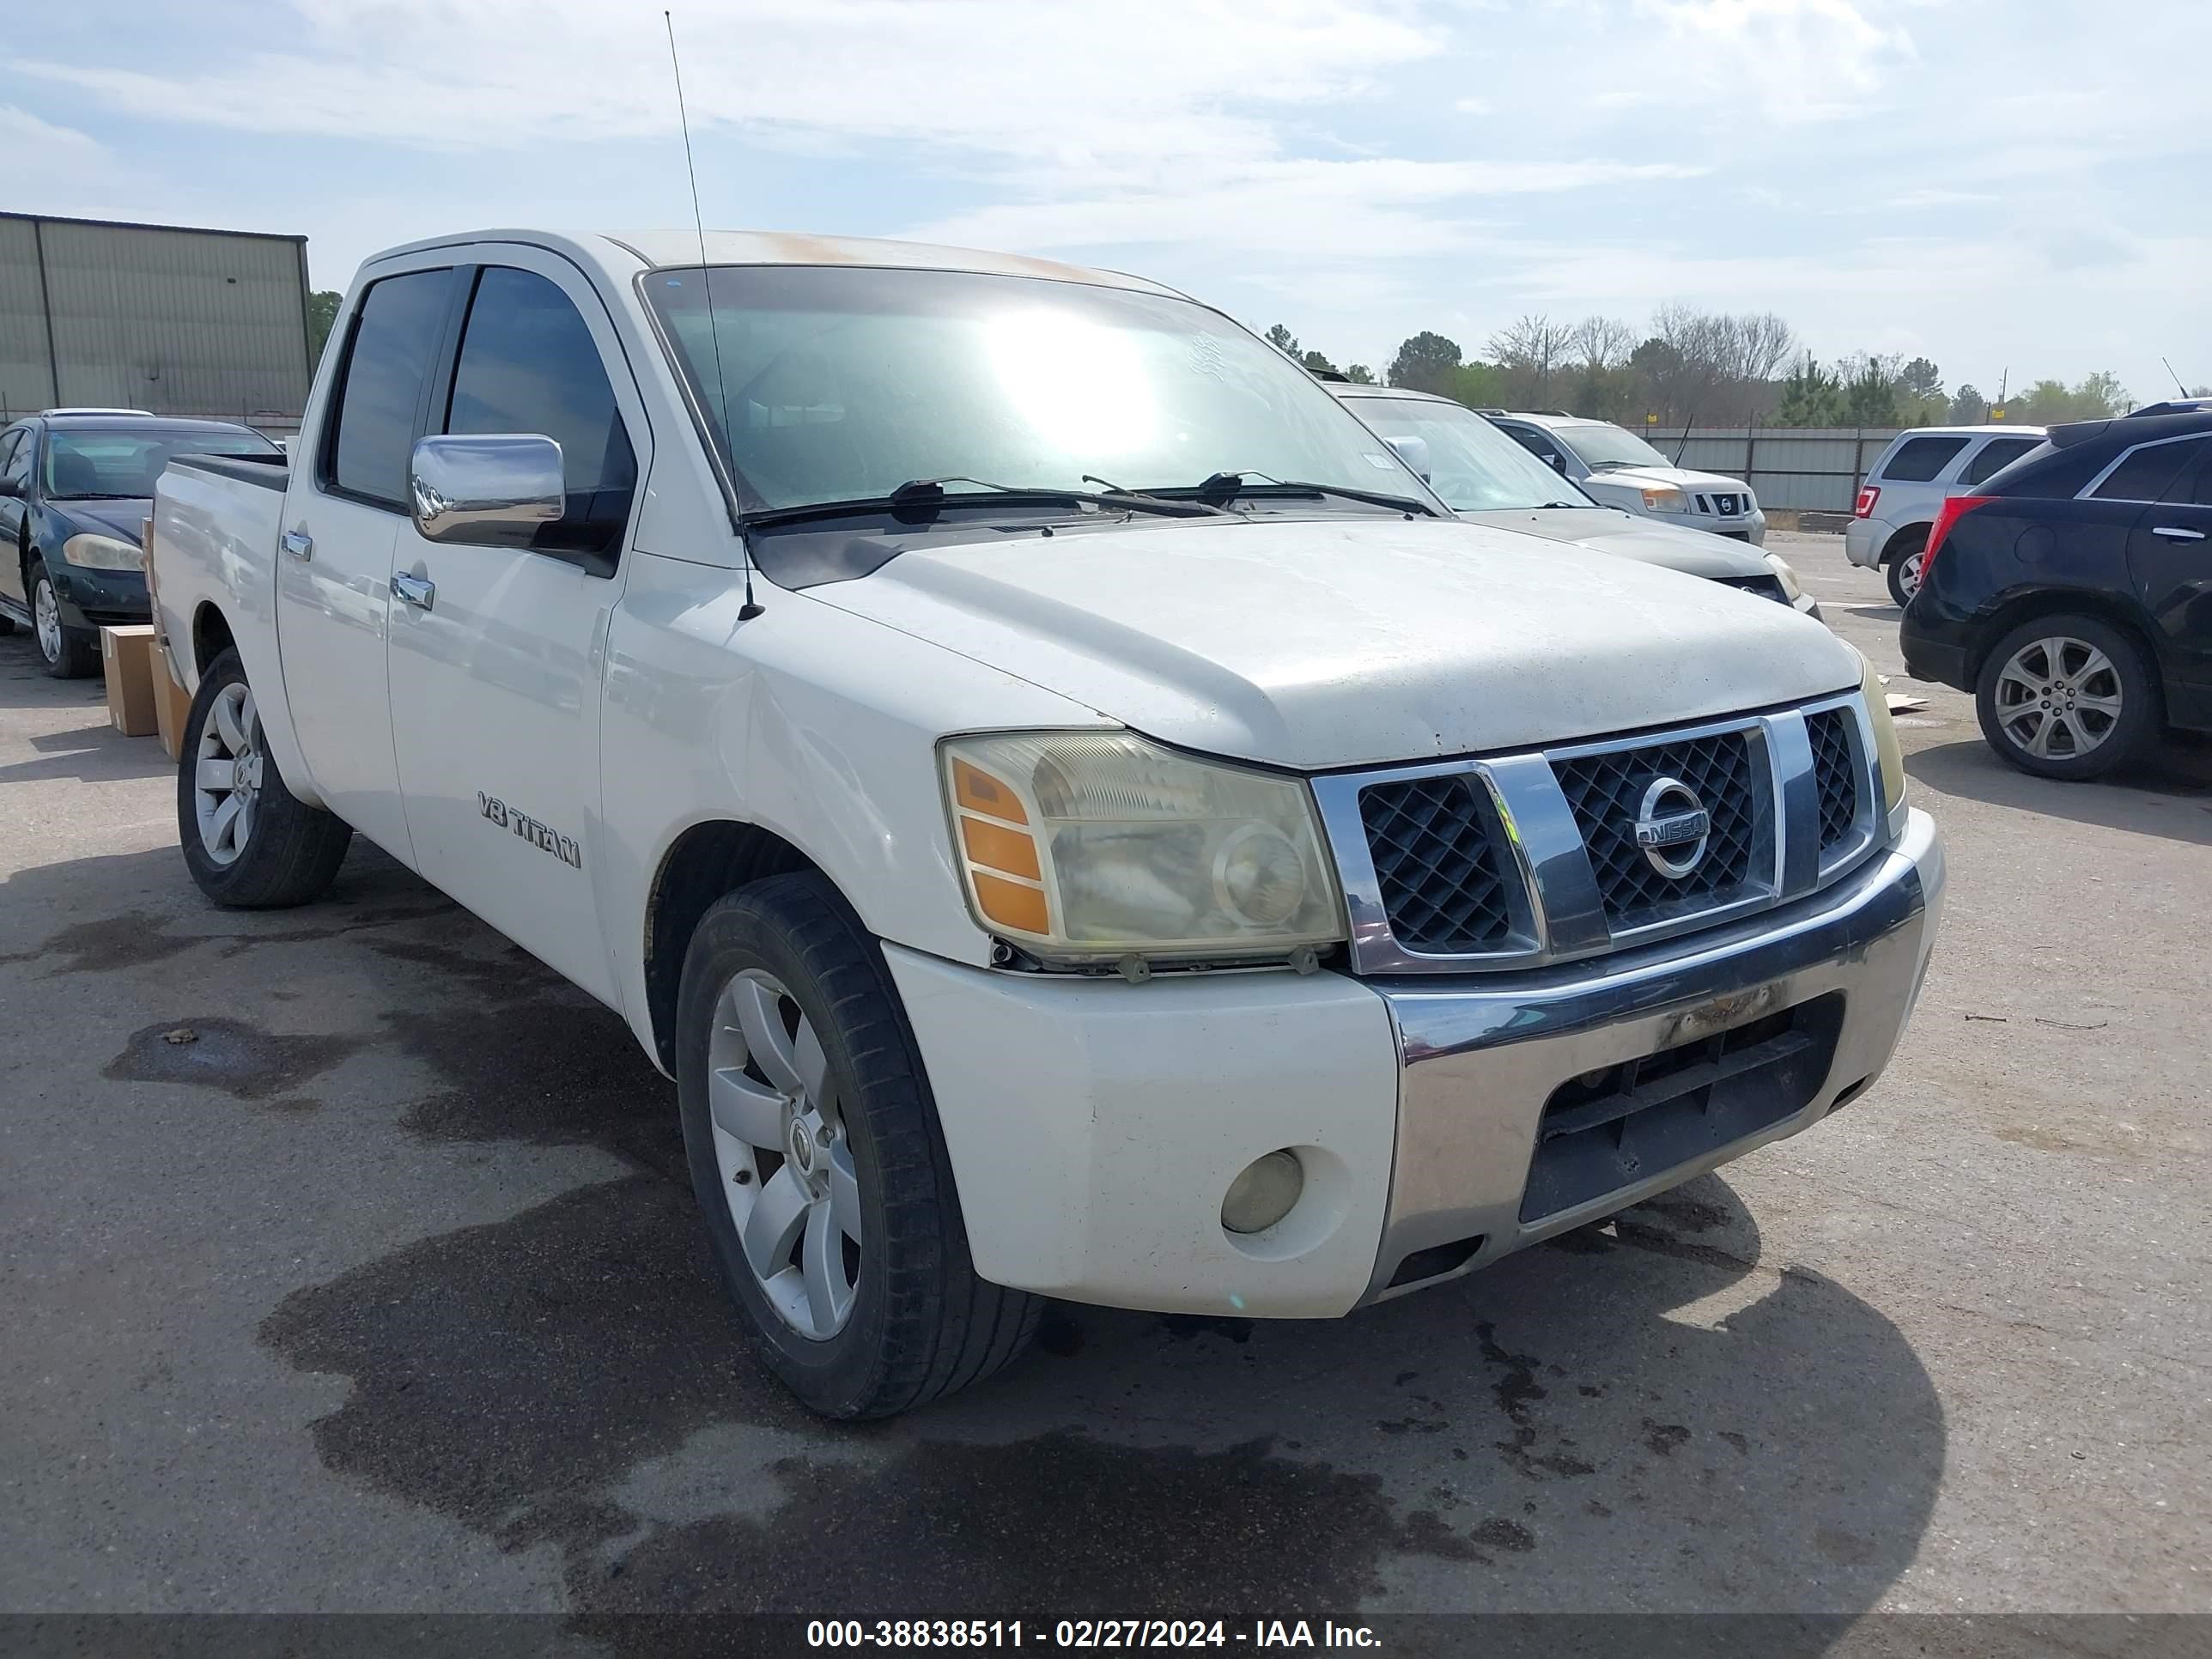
(1602, 446)
(91, 464)
(1472, 464)
(843, 383)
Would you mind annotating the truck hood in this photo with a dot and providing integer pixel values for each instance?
(1682, 478)
(1611, 530)
(1341, 642)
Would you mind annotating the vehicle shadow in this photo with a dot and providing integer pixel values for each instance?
(1649, 1416)
(2168, 793)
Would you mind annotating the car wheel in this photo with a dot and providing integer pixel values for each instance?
(70, 653)
(821, 1175)
(250, 842)
(2066, 697)
(1902, 566)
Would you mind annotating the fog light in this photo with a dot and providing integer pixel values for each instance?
(1263, 1193)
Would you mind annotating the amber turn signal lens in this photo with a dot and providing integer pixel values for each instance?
(998, 849)
(979, 792)
(1011, 905)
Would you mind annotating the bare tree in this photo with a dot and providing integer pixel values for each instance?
(1603, 342)
(1530, 349)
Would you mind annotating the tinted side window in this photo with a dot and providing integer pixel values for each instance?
(16, 456)
(366, 450)
(1995, 453)
(2145, 474)
(1535, 443)
(1917, 460)
(529, 364)
(2193, 485)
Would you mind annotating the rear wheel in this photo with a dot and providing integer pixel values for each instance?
(2066, 697)
(823, 1181)
(1902, 562)
(70, 653)
(250, 842)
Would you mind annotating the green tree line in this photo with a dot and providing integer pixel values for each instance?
(1707, 368)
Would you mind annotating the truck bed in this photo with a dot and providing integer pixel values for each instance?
(216, 525)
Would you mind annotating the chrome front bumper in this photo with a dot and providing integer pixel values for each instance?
(1479, 1063)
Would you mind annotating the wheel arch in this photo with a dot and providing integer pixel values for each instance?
(211, 636)
(707, 861)
(2065, 601)
(1903, 539)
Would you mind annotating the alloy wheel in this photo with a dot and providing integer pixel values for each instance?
(47, 611)
(1908, 574)
(2058, 698)
(229, 773)
(788, 1171)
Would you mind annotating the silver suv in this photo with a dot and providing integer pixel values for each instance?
(1619, 469)
(1909, 484)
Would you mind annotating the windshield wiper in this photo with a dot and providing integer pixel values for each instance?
(1227, 486)
(1120, 494)
(921, 500)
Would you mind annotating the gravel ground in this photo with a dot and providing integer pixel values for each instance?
(386, 1294)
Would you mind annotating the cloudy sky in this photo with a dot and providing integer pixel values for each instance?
(1999, 184)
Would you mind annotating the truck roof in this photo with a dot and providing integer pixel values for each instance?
(622, 252)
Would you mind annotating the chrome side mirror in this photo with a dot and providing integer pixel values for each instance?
(491, 489)
(1415, 452)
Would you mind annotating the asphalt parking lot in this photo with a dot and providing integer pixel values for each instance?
(385, 1293)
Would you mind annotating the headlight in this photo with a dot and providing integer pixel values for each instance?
(104, 553)
(1889, 754)
(1785, 575)
(1664, 498)
(1088, 845)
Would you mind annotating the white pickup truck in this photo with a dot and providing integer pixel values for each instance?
(1073, 814)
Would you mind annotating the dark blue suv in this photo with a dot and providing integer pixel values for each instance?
(76, 486)
(2072, 594)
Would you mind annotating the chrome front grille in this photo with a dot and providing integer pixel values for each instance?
(1554, 855)
(1435, 859)
(1605, 792)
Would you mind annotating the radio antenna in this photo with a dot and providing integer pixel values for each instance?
(2178, 385)
(749, 610)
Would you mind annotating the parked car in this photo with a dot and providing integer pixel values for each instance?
(1620, 469)
(1487, 478)
(76, 486)
(1909, 483)
(1237, 888)
(2067, 593)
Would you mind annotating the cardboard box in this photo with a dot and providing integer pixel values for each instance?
(170, 702)
(126, 657)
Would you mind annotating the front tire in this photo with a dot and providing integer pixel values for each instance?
(1902, 564)
(2067, 697)
(70, 653)
(822, 1178)
(250, 842)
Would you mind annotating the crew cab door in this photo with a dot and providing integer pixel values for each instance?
(342, 514)
(2170, 560)
(497, 651)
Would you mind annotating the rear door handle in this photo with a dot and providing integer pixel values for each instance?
(299, 544)
(2174, 532)
(417, 591)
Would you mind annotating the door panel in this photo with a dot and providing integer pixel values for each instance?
(496, 677)
(334, 566)
(15, 463)
(2170, 556)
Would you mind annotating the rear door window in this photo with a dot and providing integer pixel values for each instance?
(1918, 460)
(2145, 474)
(528, 363)
(1998, 453)
(380, 395)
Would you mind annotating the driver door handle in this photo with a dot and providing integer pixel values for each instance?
(299, 544)
(417, 591)
(2176, 534)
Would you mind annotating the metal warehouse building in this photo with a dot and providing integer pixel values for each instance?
(170, 320)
